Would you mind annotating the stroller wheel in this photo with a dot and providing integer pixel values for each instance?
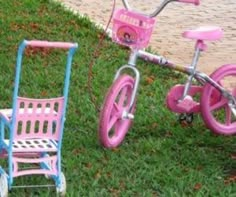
(3, 185)
(61, 188)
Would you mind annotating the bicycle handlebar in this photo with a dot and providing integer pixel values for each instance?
(195, 2)
(38, 43)
(161, 6)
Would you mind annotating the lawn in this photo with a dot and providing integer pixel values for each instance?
(159, 156)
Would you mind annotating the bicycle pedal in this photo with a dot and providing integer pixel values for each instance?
(187, 104)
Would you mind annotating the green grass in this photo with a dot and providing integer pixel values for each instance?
(159, 157)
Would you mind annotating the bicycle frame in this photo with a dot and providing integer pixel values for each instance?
(188, 70)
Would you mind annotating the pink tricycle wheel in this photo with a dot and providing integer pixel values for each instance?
(112, 127)
(215, 110)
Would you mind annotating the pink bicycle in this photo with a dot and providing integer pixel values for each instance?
(217, 103)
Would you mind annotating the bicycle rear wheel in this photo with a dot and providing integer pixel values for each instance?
(112, 127)
(215, 110)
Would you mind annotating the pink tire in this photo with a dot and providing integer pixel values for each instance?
(112, 128)
(214, 106)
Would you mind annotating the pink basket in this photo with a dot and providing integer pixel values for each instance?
(132, 29)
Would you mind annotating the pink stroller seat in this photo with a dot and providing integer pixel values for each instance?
(37, 124)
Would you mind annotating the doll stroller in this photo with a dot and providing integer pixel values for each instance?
(31, 131)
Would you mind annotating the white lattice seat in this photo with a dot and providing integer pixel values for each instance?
(33, 145)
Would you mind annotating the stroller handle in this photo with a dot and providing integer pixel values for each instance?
(48, 44)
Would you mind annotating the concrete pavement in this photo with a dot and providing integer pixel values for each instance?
(174, 19)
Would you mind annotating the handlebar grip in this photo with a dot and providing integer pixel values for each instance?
(195, 2)
(48, 44)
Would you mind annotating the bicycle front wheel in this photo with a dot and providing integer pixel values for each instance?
(215, 107)
(112, 127)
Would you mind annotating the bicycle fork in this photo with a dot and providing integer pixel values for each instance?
(127, 114)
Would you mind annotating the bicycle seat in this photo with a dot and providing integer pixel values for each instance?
(209, 33)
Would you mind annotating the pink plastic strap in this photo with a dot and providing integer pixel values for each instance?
(37, 43)
(195, 2)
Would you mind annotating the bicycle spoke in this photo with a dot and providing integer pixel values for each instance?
(219, 104)
(115, 115)
(228, 116)
(122, 96)
(112, 122)
(116, 108)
